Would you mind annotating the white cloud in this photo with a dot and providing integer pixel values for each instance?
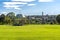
(17, 8)
(15, 5)
(24, 0)
(7, 3)
(31, 4)
(46, 0)
(10, 6)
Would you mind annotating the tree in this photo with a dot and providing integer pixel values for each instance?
(58, 18)
(8, 20)
(11, 15)
(18, 22)
(2, 19)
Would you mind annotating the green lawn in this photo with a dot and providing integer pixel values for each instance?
(30, 32)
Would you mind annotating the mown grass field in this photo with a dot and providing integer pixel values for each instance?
(30, 32)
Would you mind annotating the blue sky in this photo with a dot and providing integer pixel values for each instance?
(30, 7)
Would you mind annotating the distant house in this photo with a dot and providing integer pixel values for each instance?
(44, 18)
(34, 18)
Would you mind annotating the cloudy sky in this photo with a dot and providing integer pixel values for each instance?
(30, 7)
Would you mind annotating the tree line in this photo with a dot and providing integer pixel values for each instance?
(11, 19)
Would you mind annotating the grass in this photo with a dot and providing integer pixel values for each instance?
(30, 32)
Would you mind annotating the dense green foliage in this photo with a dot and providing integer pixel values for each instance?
(19, 20)
(2, 19)
(10, 19)
(30, 32)
(58, 19)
